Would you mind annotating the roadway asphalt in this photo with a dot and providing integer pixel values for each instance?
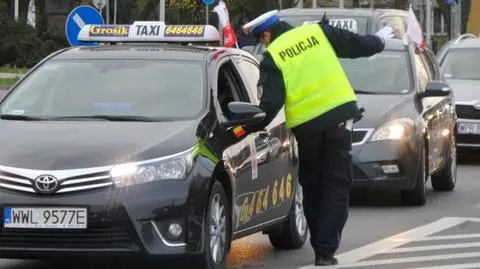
(446, 232)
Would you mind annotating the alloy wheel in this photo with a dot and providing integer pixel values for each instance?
(218, 228)
(300, 219)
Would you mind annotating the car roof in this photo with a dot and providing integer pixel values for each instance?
(361, 12)
(137, 51)
(395, 44)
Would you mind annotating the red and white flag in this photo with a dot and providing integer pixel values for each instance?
(229, 37)
(414, 30)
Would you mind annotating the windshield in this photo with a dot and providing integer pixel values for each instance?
(384, 73)
(352, 23)
(143, 88)
(462, 63)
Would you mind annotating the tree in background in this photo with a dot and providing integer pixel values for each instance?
(23, 45)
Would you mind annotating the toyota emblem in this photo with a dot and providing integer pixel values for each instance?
(46, 184)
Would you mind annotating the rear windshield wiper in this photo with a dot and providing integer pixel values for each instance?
(111, 118)
(364, 92)
(21, 117)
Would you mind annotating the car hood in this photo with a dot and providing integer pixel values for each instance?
(57, 145)
(381, 108)
(465, 90)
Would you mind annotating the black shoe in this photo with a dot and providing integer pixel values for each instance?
(321, 261)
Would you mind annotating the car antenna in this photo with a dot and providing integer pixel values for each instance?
(324, 19)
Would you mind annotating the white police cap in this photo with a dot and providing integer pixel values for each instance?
(262, 23)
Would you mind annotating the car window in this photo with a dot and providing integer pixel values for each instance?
(462, 63)
(387, 72)
(258, 51)
(251, 74)
(397, 22)
(352, 23)
(149, 88)
(422, 74)
(443, 50)
(229, 88)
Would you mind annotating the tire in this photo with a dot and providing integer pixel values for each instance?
(222, 230)
(417, 196)
(293, 233)
(446, 179)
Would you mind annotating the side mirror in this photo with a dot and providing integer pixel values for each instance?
(244, 114)
(436, 88)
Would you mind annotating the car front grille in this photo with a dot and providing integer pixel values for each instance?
(78, 183)
(358, 174)
(100, 235)
(358, 135)
(467, 112)
(468, 139)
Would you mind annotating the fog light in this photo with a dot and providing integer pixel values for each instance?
(175, 230)
(390, 169)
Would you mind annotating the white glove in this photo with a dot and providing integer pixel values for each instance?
(385, 33)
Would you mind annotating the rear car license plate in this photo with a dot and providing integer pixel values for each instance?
(468, 128)
(45, 217)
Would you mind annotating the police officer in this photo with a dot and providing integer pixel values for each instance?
(300, 70)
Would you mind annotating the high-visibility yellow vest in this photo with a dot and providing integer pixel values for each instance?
(314, 78)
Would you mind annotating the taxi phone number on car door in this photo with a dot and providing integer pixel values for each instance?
(258, 203)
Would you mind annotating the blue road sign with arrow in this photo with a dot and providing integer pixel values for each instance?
(208, 2)
(79, 17)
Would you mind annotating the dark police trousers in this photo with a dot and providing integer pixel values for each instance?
(325, 173)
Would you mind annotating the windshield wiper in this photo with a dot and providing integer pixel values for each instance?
(364, 92)
(111, 118)
(100, 117)
(21, 117)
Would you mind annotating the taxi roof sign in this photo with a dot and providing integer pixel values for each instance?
(148, 31)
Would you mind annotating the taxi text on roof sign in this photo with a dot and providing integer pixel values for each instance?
(346, 24)
(149, 31)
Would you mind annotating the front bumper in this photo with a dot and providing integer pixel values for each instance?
(121, 221)
(467, 140)
(385, 165)
(467, 113)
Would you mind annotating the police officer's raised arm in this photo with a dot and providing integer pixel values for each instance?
(350, 45)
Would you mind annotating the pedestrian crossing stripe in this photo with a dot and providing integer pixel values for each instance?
(392, 245)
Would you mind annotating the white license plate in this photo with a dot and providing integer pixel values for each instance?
(468, 128)
(45, 217)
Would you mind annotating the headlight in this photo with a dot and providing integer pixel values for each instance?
(393, 130)
(175, 167)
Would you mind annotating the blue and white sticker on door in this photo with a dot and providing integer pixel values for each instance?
(253, 159)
